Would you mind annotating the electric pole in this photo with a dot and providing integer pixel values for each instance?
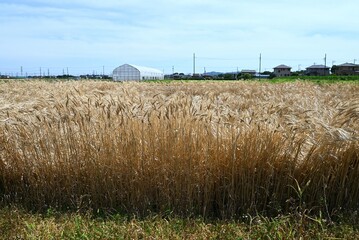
(103, 71)
(40, 72)
(325, 60)
(173, 70)
(21, 71)
(260, 63)
(194, 64)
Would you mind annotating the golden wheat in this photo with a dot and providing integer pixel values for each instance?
(214, 149)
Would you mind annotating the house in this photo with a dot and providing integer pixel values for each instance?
(346, 69)
(282, 71)
(317, 70)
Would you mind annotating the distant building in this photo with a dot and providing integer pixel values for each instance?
(128, 72)
(282, 71)
(346, 69)
(178, 76)
(317, 70)
(250, 72)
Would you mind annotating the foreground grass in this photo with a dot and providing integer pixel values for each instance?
(18, 224)
(318, 79)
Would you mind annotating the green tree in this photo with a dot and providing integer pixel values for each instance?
(247, 76)
(229, 76)
(334, 69)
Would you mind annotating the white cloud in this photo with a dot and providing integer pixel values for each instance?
(166, 33)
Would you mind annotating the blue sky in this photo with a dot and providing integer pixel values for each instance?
(87, 36)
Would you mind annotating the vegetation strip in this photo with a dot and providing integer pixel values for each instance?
(19, 224)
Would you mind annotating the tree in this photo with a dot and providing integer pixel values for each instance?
(229, 76)
(246, 76)
(272, 75)
(266, 73)
(334, 69)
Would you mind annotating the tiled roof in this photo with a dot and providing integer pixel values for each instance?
(318, 67)
(348, 65)
(283, 66)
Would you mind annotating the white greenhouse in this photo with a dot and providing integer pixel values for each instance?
(129, 72)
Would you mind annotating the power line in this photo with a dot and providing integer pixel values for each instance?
(252, 59)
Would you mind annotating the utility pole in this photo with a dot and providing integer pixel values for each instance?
(173, 70)
(103, 71)
(325, 60)
(21, 71)
(67, 69)
(40, 72)
(48, 72)
(260, 63)
(204, 70)
(194, 64)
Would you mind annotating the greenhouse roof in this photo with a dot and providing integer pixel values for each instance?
(145, 69)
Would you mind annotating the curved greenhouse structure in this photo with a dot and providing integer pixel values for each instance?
(129, 72)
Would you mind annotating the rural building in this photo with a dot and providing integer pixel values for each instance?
(346, 69)
(317, 70)
(282, 71)
(250, 72)
(129, 72)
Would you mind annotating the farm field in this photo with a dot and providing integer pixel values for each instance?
(215, 150)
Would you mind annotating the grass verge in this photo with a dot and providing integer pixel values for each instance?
(19, 224)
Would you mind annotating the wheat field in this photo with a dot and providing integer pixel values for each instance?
(214, 149)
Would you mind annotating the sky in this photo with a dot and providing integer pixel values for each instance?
(91, 36)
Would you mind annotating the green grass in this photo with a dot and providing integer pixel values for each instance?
(18, 224)
(317, 79)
